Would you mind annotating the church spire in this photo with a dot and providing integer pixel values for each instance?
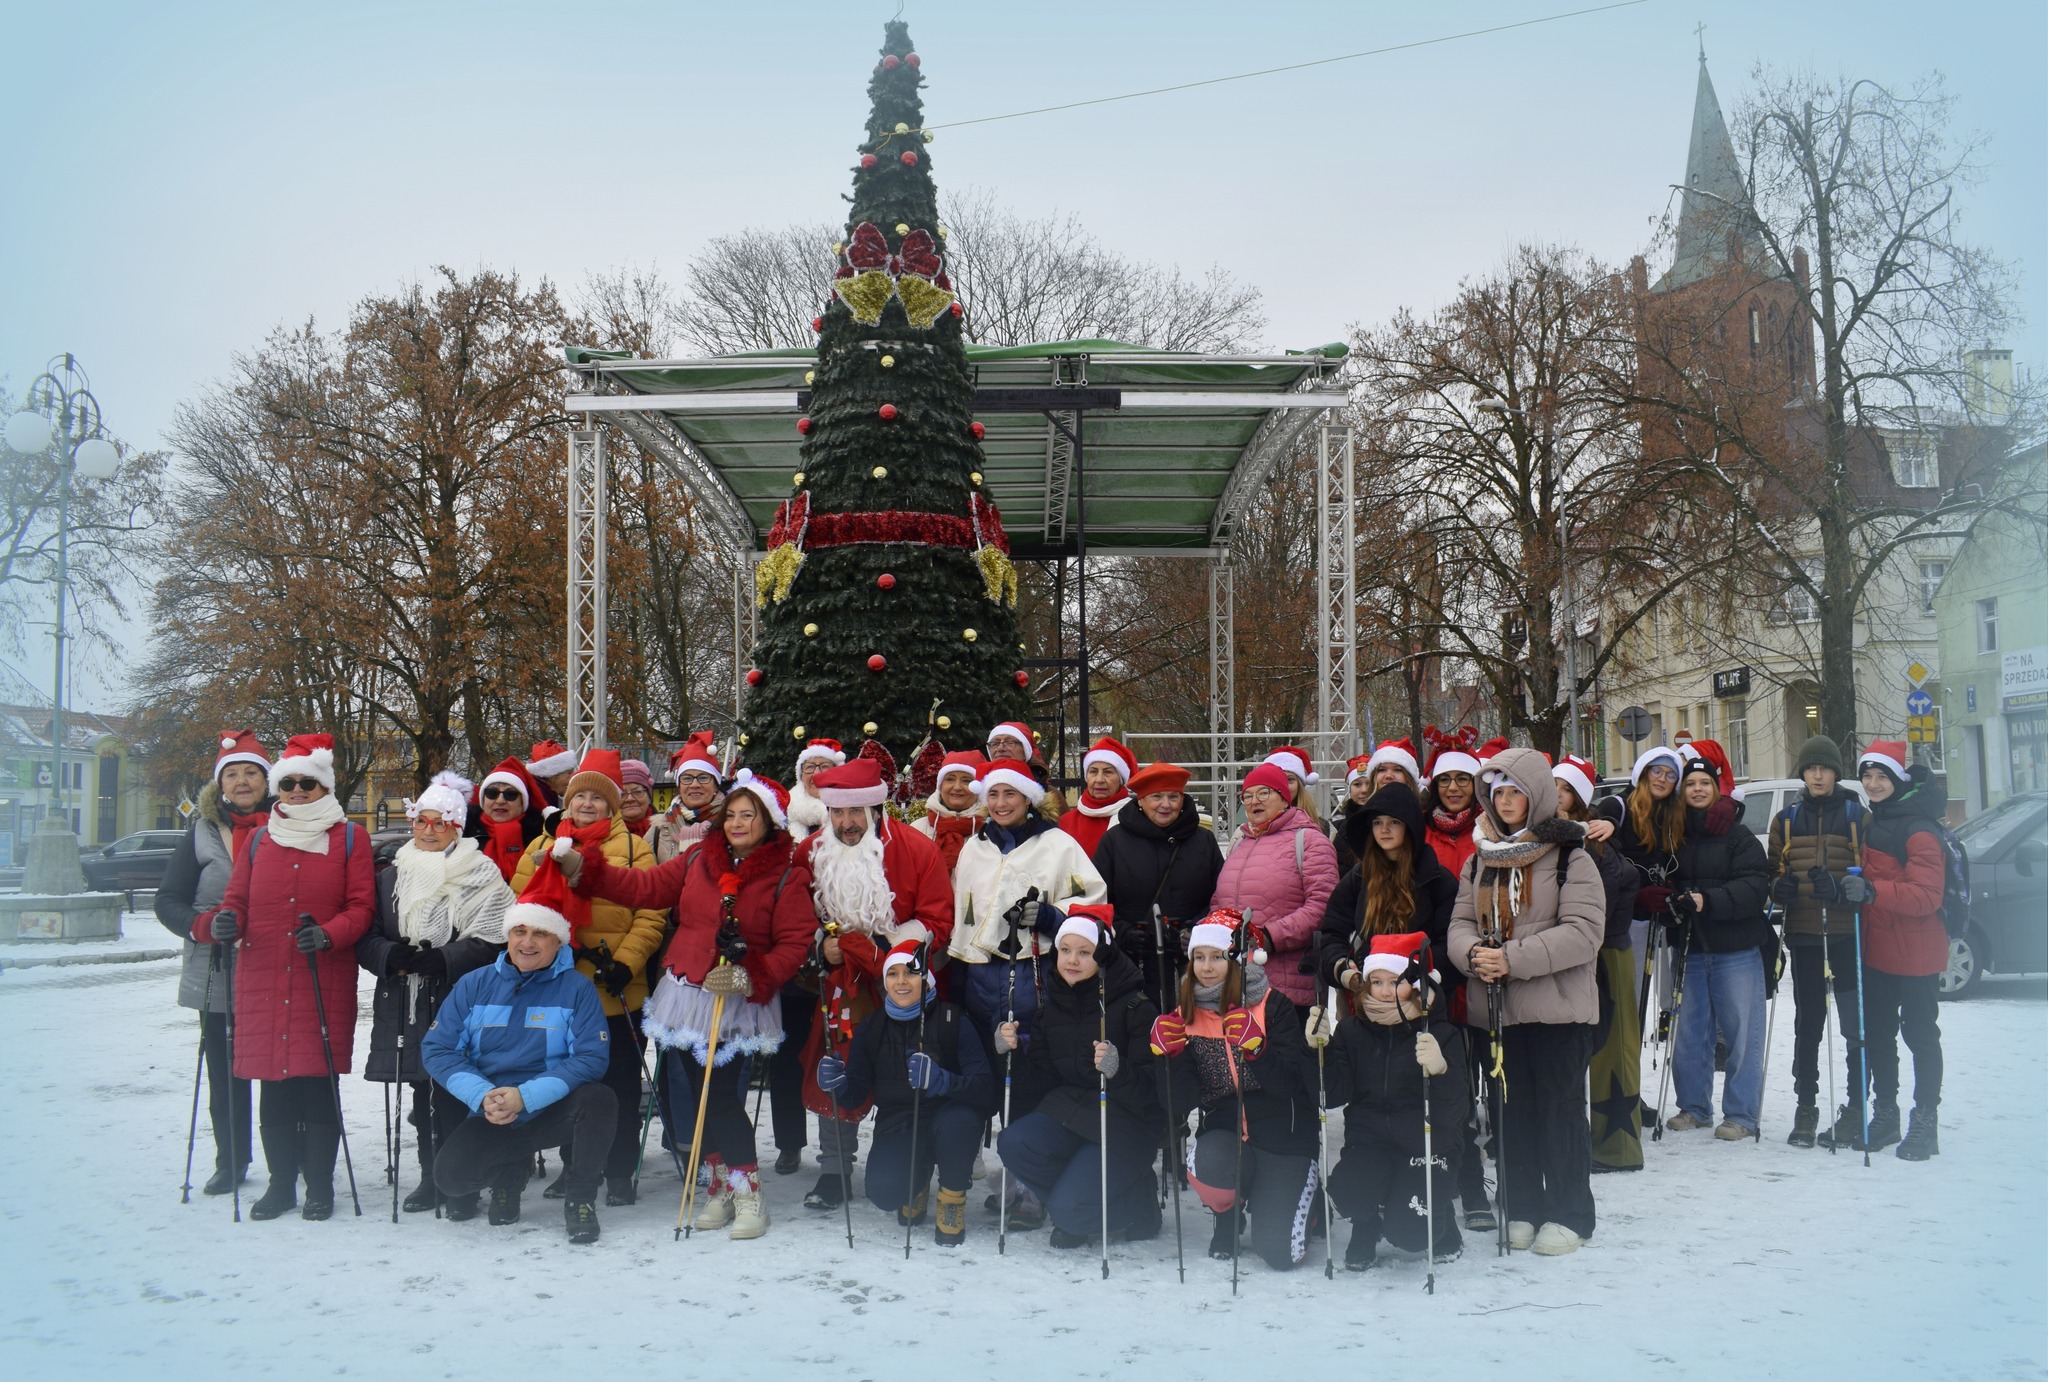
(1713, 186)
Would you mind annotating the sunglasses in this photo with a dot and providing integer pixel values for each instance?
(502, 794)
(299, 784)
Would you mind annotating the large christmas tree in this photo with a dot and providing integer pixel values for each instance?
(888, 599)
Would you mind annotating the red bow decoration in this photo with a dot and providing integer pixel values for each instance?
(919, 255)
(867, 249)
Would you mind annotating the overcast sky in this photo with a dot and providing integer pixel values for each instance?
(183, 178)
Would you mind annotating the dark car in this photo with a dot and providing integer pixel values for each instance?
(132, 862)
(385, 843)
(2008, 849)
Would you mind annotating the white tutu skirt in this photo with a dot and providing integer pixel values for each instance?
(678, 1017)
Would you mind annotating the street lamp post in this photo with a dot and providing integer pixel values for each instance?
(61, 413)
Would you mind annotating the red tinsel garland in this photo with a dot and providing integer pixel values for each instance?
(794, 521)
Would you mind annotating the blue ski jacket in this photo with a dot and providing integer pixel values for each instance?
(542, 1033)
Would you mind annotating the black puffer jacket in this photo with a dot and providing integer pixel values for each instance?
(1279, 1082)
(1177, 866)
(1061, 1056)
(1725, 865)
(403, 1006)
(1654, 868)
(1372, 1071)
(878, 1064)
(1621, 880)
(1435, 887)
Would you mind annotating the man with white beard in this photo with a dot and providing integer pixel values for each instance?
(875, 881)
(806, 811)
(787, 1068)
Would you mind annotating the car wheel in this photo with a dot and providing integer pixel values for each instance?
(1965, 965)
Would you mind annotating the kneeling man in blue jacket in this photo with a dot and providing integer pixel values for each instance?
(523, 1043)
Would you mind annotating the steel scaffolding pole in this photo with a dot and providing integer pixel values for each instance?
(588, 699)
(744, 627)
(1222, 679)
(1337, 593)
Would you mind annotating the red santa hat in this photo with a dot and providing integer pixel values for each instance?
(1577, 774)
(1890, 754)
(1398, 954)
(1004, 772)
(1018, 730)
(1107, 750)
(546, 902)
(1355, 768)
(825, 750)
(551, 760)
(1093, 922)
(1400, 753)
(1724, 771)
(773, 796)
(599, 772)
(913, 956)
(240, 746)
(509, 773)
(306, 755)
(695, 756)
(1225, 929)
(1454, 753)
(448, 793)
(858, 783)
(1289, 759)
(969, 763)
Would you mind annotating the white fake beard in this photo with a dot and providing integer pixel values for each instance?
(849, 885)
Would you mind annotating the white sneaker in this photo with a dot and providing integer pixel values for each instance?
(1554, 1240)
(714, 1210)
(750, 1214)
(1521, 1233)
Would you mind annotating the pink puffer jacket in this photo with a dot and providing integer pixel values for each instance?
(1286, 901)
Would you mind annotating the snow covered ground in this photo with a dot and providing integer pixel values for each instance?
(1717, 1259)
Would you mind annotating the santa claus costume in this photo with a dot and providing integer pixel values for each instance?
(1089, 817)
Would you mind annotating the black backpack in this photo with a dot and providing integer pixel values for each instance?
(1955, 881)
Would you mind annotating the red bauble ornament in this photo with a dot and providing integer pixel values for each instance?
(868, 160)
(877, 662)
(886, 581)
(818, 323)
(910, 158)
(912, 59)
(892, 62)
(1023, 678)
(887, 412)
(803, 426)
(958, 310)
(974, 427)
(753, 676)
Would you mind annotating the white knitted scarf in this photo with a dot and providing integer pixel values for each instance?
(449, 895)
(305, 827)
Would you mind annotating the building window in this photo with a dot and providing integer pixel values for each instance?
(1916, 462)
(1931, 573)
(1987, 625)
(1737, 735)
(1756, 330)
(1798, 605)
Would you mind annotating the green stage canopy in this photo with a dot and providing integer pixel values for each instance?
(1172, 443)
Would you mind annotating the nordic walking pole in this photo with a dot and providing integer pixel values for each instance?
(1862, 1037)
(1102, 1084)
(838, 1125)
(1170, 1154)
(1669, 1021)
(1237, 1183)
(911, 1166)
(234, 1147)
(1323, 1141)
(647, 1115)
(198, 1074)
(1428, 1150)
(683, 1224)
(1770, 1022)
(1497, 1078)
(333, 1075)
(397, 1146)
(1009, 1060)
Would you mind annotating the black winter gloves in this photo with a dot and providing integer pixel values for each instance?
(1785, 889)
(614, 976)
(401, 958)
(312, 938)
(226, 925)
(430, 963)
(1825, 886)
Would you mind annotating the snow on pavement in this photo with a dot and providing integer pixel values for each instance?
(1760, 1259)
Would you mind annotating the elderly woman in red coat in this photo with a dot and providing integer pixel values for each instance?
(743, 910)
(301, 895)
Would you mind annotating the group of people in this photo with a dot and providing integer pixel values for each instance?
(1454, 959)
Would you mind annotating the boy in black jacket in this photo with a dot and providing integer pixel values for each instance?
(916, 1049)
(1376, 1067)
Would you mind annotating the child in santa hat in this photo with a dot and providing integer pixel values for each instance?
(916, 1052)
(1240, 1059)
(1377, 1063)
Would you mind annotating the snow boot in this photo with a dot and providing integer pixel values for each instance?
(1219, 1237)
(223, 1180)
(558, 1188)
(319, 1144)
(1521, 1235)
(281, 1161)
(420, 1200)
(1026, 1214)
(1731, 1131)
(581, 1218)
(828, 1193)
(1805, 1126)
(1361, 1254)
(1847, 1133)
(749, 1210)
(1884, 1125)
(1145, 1222)
(1554, 1240)
(462, 1208)
(1066, 1241)
(789, 1162)
(1923, 1140)
(914, 1212)
(620, 1190)
(950, 1230)
(1682, 1121)
(505, 1204)
(1479, 1215)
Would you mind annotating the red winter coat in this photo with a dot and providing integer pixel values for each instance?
(1902, 930)
(773, 907)
(277, 1024)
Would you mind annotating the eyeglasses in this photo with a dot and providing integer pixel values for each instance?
(422, 823)
(1258, 794)
(299, 784)
(502, 794)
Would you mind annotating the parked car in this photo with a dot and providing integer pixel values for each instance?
(386, 843)
(2008, 849)
(1766, 796)
(131, 862)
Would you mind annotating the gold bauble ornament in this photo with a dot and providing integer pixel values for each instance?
(945, 722)
(797, 733)
(888, 362)
(942, 232)
(881, 472)
(975, 477)
(869, 727)
(902, 128)
(810, 376)
(902, 229)
(797, 479)
(810, 631)
(969, 634)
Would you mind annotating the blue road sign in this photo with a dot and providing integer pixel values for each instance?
(1919, 703)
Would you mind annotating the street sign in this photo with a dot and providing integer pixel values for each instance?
(1916, 672)
(1920, 729)
(1635, 724)
(1919, 703)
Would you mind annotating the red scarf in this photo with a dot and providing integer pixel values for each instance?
(504, 842)
(1454, 823)
(245, 824)
(639, 827)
